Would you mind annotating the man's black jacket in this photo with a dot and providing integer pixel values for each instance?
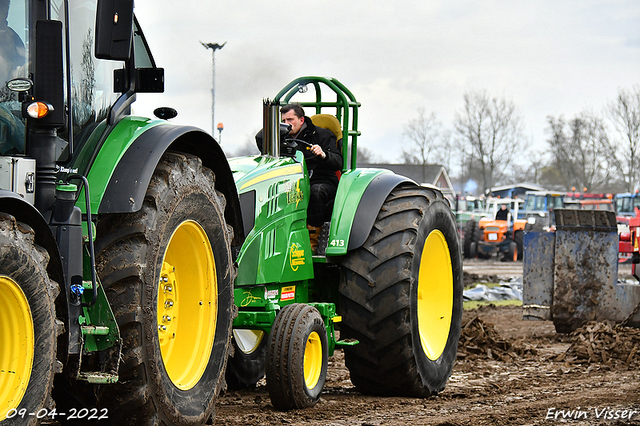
(322, 170)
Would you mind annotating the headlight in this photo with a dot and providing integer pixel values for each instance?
(531, 220)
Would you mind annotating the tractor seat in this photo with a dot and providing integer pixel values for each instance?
(329, 122)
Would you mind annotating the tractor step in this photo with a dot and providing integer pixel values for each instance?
(94, 330)
(347, 342)
(99, 378)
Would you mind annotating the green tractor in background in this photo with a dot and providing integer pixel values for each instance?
(116, 232)
(389, 278)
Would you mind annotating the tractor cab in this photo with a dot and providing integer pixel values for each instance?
(538, 208)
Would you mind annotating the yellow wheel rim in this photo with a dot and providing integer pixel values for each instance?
(435, 295)
(187, 305)
(16, 345)
(248, 340)
(312, 360)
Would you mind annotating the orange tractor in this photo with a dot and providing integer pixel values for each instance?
(502, 235)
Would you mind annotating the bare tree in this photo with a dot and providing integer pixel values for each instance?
(582, 151)
(424, 133)
(492, 130)
(624, 113)
(365, 156)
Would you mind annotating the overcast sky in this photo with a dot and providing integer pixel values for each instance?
(548, 57)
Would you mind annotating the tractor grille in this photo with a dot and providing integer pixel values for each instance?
(492, 229)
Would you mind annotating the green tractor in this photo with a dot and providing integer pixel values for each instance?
(386, 288)
(117, 233)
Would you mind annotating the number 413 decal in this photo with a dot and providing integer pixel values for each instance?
(337, 243)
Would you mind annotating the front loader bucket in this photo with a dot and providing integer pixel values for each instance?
(570, 276)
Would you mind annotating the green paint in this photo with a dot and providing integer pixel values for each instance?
(100, 328)
(350, 189)
(110, 152)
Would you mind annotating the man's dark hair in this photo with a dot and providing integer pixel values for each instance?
(297, 109)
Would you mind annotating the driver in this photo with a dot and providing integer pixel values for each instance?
(323, 161)
(503, 213)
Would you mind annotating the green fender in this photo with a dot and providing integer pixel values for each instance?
(100, 156)
(361, 193)
(119, 166)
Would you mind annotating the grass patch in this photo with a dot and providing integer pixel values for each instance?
(470, 305)
(490, 285)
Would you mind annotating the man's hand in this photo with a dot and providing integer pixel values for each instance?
(316, 150)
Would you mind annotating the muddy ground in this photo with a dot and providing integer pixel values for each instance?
(509, 372)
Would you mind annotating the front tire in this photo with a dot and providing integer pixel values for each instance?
(470, 237)
(401, 297)
(297, 357)
(168, 274)
(518, 237)
(29, 339)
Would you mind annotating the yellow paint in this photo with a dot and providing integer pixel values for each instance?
(248, 340)
(435, 295)
(187, 305)
(296, 256)
(277, 173)
(312, 360)
(249, 299)
(16, 345)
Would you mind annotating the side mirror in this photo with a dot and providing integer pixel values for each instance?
(114, 29)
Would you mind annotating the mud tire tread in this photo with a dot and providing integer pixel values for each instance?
(129, 251)
(377, 298)
(285, 357)
(26, 263)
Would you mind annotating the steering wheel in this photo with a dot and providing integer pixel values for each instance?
(297, 142)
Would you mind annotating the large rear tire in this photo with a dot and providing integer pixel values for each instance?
(27, 313)
(297, 357)
(401, 297)
(168, 274)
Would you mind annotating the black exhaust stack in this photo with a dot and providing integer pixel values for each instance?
(271, 128)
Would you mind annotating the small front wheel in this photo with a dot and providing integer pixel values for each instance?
(513, 252)
(297, 357)
(473, 250)
(518, 237)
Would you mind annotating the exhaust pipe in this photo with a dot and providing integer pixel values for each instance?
(271, 128)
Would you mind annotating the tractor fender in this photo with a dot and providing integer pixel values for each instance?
(361, 193)
(131, 170)
(26, 213)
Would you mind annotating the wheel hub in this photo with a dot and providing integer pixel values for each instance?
(435, 295)
(312, 360)
(187, 305)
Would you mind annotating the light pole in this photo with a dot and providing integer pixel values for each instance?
(213, 47)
